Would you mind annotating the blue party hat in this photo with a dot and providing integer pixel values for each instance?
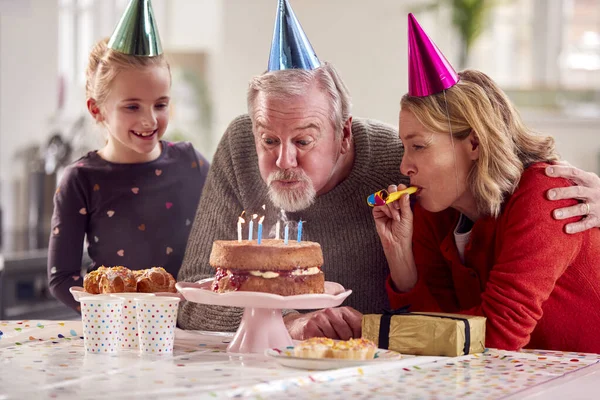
(290, 47)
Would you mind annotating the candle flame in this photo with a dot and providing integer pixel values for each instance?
(260, 221)
(241, 220)
(263, 207)
(254, 216)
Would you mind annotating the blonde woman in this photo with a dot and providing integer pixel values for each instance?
(481, 239)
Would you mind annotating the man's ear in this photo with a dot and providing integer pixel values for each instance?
(347, 136)
(473, 145)
(94, 110)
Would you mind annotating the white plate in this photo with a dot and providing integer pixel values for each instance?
(200, 292)
(78, 293)
(286, 358)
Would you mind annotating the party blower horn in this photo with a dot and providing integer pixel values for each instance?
(384, 197)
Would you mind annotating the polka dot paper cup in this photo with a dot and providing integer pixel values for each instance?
(101, 316)
(157, 317)
(128, 339)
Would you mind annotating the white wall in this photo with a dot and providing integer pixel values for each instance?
(28, 79)
(577, 138)
(367, 43)
(365, 40)
(189, 25)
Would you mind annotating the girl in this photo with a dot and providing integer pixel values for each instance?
(135, 198)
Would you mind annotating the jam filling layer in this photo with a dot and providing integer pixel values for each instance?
(237, 277)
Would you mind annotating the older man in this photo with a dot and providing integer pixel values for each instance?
(299, 149)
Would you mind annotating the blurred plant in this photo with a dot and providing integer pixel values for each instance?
(194, 109)
(469, 19)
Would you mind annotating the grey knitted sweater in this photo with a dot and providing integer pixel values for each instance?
(340, 220)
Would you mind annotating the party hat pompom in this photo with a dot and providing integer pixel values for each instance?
(428, 70)
(137, 33)
(290, 47)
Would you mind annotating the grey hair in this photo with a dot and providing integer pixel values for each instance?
(295, 82)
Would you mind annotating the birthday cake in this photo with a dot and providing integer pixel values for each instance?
(270, 267)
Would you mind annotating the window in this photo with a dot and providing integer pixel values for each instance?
(580, 56)
(81, 24)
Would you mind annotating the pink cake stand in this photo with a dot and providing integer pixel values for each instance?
(262, 324)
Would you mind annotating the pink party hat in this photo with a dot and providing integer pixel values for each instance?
(428, 70)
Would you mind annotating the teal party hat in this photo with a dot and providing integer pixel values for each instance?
(137, 33)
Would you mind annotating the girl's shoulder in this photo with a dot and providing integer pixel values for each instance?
(184, 151)
(178, 147)
(89, 161)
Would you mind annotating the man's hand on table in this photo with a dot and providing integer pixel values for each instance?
(336, 323)
(587, 189)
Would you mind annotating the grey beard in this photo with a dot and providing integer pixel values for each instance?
(293, 200)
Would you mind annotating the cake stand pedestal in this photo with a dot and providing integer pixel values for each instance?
(262, 324)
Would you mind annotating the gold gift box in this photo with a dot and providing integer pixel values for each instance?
(427, 334)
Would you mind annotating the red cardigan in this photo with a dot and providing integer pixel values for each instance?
(538, 286)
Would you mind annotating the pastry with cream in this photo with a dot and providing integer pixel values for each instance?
(123, 280)
(320, 347)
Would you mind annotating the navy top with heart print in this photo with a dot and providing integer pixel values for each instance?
(135, 215)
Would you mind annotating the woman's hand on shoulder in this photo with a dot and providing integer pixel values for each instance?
(586, 189)
(394, 221)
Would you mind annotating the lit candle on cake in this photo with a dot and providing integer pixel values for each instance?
(239, 226)
(251, 226)
(260, 225)
(277, 227)
(286, 234)
(299, 231)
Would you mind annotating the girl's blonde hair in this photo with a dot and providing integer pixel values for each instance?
(105, 64)
(506, 146)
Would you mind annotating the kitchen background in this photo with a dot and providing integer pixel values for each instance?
(544, 53)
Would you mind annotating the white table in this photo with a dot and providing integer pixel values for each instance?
(46, 359)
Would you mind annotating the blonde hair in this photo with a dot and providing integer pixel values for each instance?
(506, 146)
(105, 64)
(295, 82)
